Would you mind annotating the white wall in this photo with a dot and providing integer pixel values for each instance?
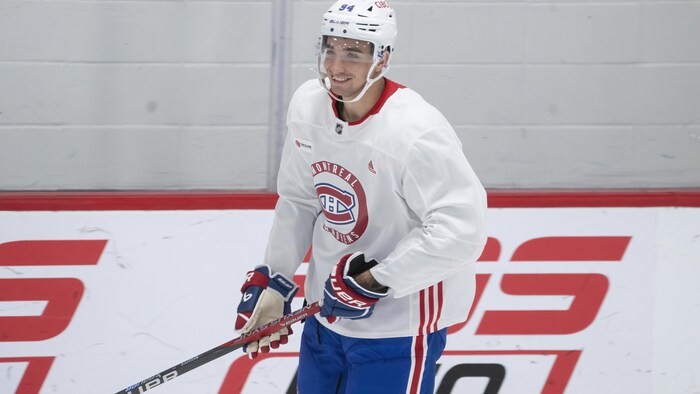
(169, 94)
(122, 94)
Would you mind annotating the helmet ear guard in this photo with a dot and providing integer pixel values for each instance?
(363, 20)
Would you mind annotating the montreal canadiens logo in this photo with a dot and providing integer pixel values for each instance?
(337, 204)
(342, 199)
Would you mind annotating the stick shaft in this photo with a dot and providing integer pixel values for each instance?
(225, 348)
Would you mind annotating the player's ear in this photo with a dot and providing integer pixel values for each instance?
(383, 62)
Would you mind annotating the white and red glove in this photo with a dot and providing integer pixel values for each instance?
(266, 297)
(343, 296)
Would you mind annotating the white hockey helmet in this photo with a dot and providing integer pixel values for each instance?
(363, 20)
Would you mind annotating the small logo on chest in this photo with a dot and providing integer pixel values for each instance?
(303, 144)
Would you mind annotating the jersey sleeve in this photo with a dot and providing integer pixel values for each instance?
(440, 187)
(295, 213)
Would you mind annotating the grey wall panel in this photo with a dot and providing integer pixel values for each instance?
(133, 94)
(670, 31)
(124, 158)
(571, 93)
(141, 31)
(556, 94)
(586, 156)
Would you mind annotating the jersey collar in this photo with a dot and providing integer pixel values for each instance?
(390, 87)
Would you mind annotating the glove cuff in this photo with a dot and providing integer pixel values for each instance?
(285, 287)
(352, 283)
(276, 282)
(256, 278)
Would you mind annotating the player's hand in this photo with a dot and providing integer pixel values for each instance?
(343, 296)
(266, 297)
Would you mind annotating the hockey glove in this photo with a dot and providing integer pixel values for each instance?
(343, 296)
(265, 298)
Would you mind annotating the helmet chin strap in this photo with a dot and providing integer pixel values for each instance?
(326, 83)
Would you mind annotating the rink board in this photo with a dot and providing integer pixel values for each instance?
(569, 299)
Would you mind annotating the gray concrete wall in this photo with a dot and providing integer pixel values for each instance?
(103, 95)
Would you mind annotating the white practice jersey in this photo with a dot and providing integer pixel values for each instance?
(394, 185)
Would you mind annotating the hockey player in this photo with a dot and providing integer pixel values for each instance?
(375, 178)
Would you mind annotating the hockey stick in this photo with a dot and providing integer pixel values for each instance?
(225, 348)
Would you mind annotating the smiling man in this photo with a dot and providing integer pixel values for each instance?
(375, 178)
(350, 70)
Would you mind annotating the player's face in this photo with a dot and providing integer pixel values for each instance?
(347, 62)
